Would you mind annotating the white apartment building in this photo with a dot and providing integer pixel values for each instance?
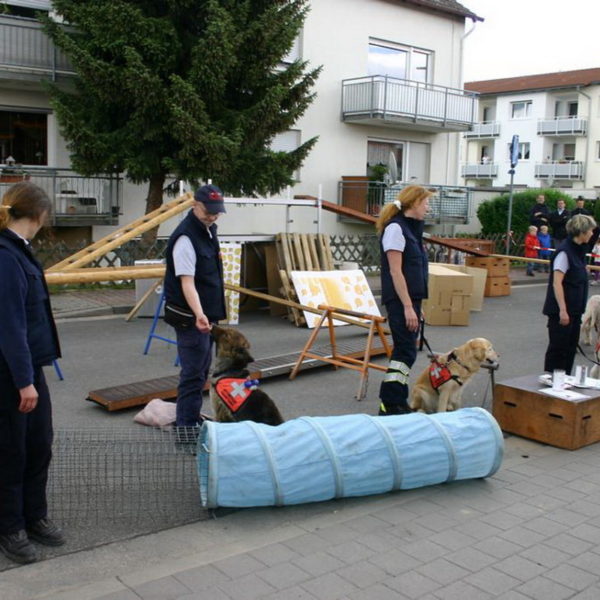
(557, 119)
(390, 94)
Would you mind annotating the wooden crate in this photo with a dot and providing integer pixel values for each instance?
(497, 286)
(520, 408)
(495, 266)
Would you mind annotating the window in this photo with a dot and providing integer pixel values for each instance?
(572, 109)
(563, 151)
(24, 8)
(386, 154)
(23, 135)
(402, 62)
(524, 150)
(520, 110)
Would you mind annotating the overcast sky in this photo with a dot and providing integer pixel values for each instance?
(525, 37)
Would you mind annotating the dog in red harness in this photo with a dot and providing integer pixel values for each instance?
(234, 395)
(439, 387)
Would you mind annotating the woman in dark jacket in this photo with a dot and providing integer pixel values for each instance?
(403, 287)
(28, 341)
(567, 292)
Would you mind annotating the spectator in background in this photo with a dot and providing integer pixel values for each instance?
(558, 222)
(531, 248)
(545, 251)
(580, 208)
(539, 213)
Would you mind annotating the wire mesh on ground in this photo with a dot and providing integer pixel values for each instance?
(142, 478)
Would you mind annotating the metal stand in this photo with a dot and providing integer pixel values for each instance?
(57, 370)
(152, 333)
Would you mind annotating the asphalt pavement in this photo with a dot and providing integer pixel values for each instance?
(532, 531)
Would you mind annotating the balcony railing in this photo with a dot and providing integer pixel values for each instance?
(489, 129)
(449, 205)
(563, 169)
(562, 126)
(77, 200)
(388, 99)
(480, 171)
(25, 48)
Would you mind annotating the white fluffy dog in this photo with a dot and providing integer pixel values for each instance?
(590, 321)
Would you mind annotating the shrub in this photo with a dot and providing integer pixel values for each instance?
(493, 214)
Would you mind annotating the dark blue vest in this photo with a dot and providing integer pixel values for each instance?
(575, 282)
(209, 270)
(38, 324)
(414, 261)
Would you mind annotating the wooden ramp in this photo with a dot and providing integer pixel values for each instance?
(140, 393)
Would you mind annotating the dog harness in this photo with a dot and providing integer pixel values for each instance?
(234, 391)
(439, 373)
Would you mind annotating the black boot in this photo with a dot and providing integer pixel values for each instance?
(18, 547)
(46, 532)
(393, 409)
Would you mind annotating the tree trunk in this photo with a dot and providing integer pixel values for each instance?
(153, 201)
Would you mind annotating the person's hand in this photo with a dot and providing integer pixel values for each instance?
(202, 323)
(410, 316)
(563, 317)
(29, 398)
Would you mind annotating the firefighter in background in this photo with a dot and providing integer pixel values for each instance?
(404, 274)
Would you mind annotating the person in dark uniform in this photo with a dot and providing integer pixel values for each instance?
(539, 213)
(558, 222)
(28, 341)
(567, 292)
(580, 208)
(404, 272)
(194, 282)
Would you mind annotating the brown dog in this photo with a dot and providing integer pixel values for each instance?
(439, 387)
(235, 397)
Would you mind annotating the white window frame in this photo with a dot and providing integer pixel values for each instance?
(410, 52)
(527, 105)
(524, 148)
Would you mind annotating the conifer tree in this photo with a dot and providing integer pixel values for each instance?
(193, 89)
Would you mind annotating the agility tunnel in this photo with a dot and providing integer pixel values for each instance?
(311, 459)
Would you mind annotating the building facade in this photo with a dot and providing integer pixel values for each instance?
(389, 104)
(557, 119)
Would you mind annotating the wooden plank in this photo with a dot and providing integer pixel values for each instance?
(124, 234)
(288, 290)
(314, 253)
(306, 253)
(297, 243)
(288, 263)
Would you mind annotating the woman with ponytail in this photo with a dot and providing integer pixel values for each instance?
(28, 341)
(403, 287)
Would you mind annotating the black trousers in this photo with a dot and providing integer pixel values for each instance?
(562, 344)
(25, 453)
(393, 392)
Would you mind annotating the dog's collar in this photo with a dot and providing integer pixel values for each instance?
(452, 356)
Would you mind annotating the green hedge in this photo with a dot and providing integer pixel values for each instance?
(493, 214)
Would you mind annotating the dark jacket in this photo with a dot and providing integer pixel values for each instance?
(539, 215)
(558, 223)
(208, 278)
(581, 211)
(414, 261)
(575, 282)
(28, 337)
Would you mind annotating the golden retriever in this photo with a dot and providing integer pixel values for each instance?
(234, 396)
(590, 322)
(449, 373)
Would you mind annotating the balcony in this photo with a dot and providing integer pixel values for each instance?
(26, 52)
(77, 200)
(562, 126)
(484, 130)
(480, 171)
(563, 169)
(391, 102)
(449, 205)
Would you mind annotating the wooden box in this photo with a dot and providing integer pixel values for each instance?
(495, 266)
(497, 286)
(520, 408)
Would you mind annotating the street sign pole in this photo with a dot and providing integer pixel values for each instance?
(514, 159)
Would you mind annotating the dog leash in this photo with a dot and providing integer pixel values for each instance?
(586, 356)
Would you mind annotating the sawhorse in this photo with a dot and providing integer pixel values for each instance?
(342, 360)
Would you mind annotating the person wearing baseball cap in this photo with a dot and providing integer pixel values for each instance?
(195, 298)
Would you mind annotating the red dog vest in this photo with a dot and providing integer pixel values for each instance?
(439, 374)
(234, 391)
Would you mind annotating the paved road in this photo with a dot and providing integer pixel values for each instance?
(532, 531)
